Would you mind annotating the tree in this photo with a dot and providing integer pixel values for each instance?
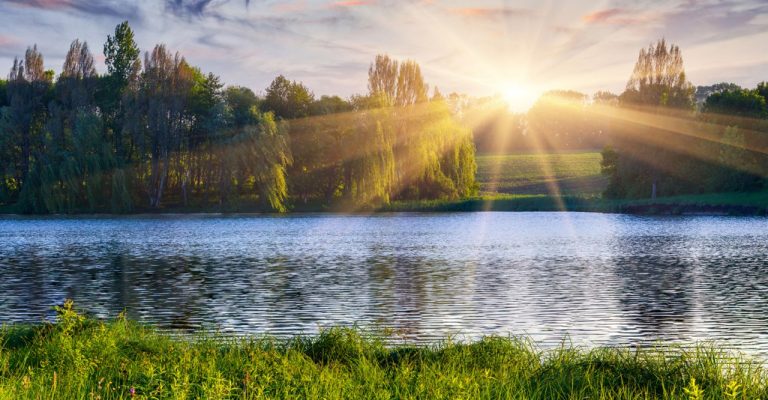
(383, 79)
(762, 90)
(3, 93)
(76, 86)
(164, 133)
(122, 56)
(23, 121)
(658, 83)
(659, 79)
(329, 105)
(241, 102)
(288, 99)
(396, 83)
(702, 92)
(605, 98)
(165, 88)
(411, 88)
(744, 103)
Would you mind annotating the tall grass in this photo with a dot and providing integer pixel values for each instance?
(86, 359)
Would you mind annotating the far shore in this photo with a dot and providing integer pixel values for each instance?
(715, 204)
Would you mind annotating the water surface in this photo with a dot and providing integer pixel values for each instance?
(599, 279)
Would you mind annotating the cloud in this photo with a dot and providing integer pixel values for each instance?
(195, 8)
(487, 12)
(92, 7)
(352, 3)
(7, 41)
(602, 15)
(616, 16)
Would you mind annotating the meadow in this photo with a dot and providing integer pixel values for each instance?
(79, 357)
(575, 173)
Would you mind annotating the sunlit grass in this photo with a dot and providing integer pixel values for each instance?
(575, 173)
(83, 358)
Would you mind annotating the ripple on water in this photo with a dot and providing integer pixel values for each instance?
(596, 279)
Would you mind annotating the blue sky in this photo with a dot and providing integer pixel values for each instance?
(474, 47)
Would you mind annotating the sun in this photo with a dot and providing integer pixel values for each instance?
(519, 97)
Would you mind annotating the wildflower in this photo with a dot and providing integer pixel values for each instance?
(132, 391)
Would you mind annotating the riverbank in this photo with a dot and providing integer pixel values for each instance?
(740, 203)
(736, 203)
(79, 357)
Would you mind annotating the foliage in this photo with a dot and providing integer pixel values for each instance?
(661, 147)
(163, 133)
(744, 103)
(703, 92)
(83, 358)
(396, 83)
(659, 79)
(288, 99)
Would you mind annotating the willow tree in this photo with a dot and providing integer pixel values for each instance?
(369, 164)
(77, 155)
(257, 157)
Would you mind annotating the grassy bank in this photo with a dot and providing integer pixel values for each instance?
(573, 174)
(715, 203)
(82, 358)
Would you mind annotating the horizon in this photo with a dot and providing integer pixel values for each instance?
(476, 48)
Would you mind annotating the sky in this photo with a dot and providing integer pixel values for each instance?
(480, 48)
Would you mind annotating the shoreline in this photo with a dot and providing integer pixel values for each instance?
(79, 357)
(698, 205)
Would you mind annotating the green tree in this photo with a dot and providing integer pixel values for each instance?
(658, 84)
(3, 93)
(383, 79)
(329, 105)
(117, 97)
(762, 90)
(659, 79)
(396, 83)
(122, 57)
(743, 103)
(23, 123)
(288, 99)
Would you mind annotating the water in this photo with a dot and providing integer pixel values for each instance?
(597, 279)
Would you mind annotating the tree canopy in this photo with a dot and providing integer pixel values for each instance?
(161, 133)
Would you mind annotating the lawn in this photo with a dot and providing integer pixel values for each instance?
(541, 174)
(81, 358)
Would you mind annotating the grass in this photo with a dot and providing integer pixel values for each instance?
(538, 174)
(81, 358)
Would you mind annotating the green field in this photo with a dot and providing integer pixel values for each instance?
(541, 174)
(81, 358)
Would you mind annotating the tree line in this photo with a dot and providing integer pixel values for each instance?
(664, 143)
(156, 132)
(660, 136)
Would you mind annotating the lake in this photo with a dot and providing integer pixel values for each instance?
(597, 279)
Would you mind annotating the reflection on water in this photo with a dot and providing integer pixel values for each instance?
(602, 279)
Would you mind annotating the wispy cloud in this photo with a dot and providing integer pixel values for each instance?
(6, 41)
(616, 16)
(489, 12)
(352, 3)
(93, 7)
(463, 45)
